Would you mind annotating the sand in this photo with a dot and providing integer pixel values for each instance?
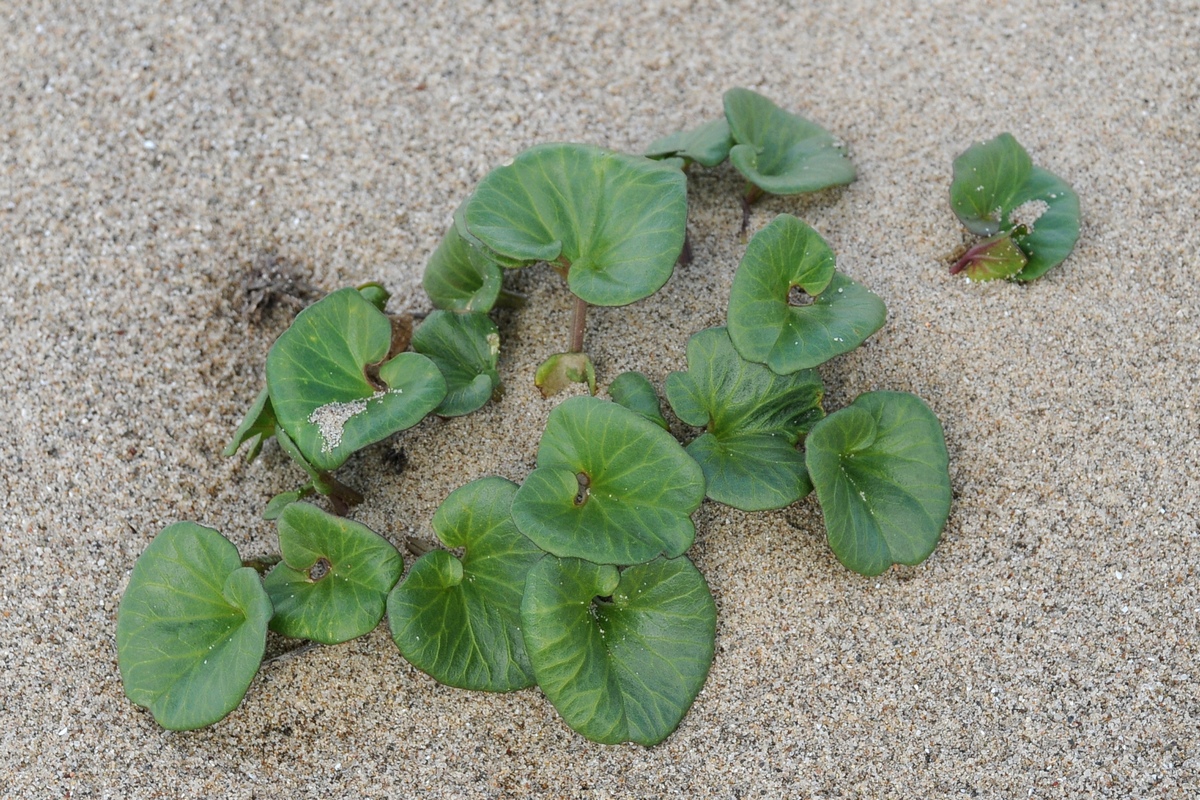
(153, 160)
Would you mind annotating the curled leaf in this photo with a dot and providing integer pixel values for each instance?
(330, 387)
(460, 277)
(465, 347)
(561, 370)
(707, 145)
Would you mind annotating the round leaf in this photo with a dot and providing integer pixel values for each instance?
(610, 486)
(987, 176)
(625, 668)
(317, 376)
(1045, 221)
(334, 578)
(459, 620)
(617, 220)
(191, 628)
(707, 145)
(754, 419)
(767, 329)
(465, 347)
(460, 277)
(881, 473)
(779, 152)
(633, 390)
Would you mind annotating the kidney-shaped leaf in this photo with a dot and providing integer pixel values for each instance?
(881, 472)
(317, 374)
(465, 347)
(459, 620)
(334, 578)
(634, 391)
(460, 277)
(707, 145)
(753, 420)
(610, 486)
(191, 628)
(764, 325)
(780, 152)
(622, 656)
(617, 220)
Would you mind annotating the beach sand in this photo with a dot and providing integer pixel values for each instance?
(155, 159)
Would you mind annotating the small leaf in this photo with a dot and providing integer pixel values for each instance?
(334, 578)
(375, 294)
(459, 620)
(191, 628)
(617, 220)
(995, 257)
(279, 502)
(987, 176)
(763, 324)
(625, 669)
(753, 418)
(610, 486)
(256, 428)
(329, 391)
(460, 277)
(561, 370)
(881, 472)
(707, 145)
(1045, 222)
(465, 347)
(779, 152)
(633, 390)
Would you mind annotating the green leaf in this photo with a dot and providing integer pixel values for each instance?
(317, 374)
(987, 176)
(707, 145)
(621, 656)
(780, 152)
(256, 428)
(279, 502)
(1045, 222)
(763, 324)
(460, 276)
(995, 257)
(617, 220)
(561, 370)
(375, 294)
(610, 486)
(633, 390)
(881, 472)
(191, 628)
(334, 578)
(996, 189)
(465, 347)
(753, 418)
(459, 620)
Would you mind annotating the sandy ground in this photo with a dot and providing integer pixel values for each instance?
(153, 159)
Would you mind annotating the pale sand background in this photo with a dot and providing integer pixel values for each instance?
(150, 157)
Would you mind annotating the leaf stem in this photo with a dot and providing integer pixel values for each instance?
(341, 496)
(751, 194)
(578, 325)
(509, 299)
